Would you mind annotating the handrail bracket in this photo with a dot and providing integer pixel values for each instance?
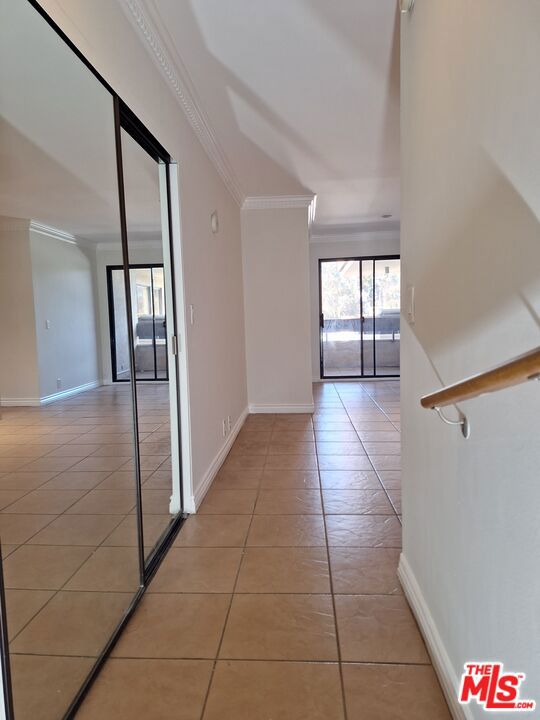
(463, 422)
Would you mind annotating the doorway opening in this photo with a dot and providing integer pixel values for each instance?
(359, 312)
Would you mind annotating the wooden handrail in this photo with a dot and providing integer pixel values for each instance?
(516, 371)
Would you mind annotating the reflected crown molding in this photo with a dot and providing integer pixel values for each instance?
(271, 202)
(180, 83)
(52, 232)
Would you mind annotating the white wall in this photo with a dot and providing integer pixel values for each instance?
(64, 295)
(363, 244)
(212, 263)
(277, 306)
(45, 279)
(18, 350)
(470, 244)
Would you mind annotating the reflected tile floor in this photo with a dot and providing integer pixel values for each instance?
(68, 531)
(280, 598)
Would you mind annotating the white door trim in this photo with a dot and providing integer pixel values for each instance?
(181, 393)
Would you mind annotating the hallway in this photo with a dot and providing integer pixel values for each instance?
(270, 336)
(280, 599)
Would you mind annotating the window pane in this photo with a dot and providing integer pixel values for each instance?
(340, 290)
(387, 316)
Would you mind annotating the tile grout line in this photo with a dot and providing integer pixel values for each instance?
(370, 462)
(61, 589)
(254, 660)
(94, 547)
(244, 548)
(430, 662)
(398, 515)
(55, 593)
(5, 509)
(330, 577)
(40, 487)
(56, 516)
(233, 592)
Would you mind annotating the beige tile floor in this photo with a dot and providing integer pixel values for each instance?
(68, 532)
(280, 598)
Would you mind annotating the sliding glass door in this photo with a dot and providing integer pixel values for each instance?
(386, 317)
(341, 318)
(359, 317)
(148, 321)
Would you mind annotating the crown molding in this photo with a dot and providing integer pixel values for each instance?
(312, 208)
(271, 202)
(52, 232)
(180, 83)
(344, 232)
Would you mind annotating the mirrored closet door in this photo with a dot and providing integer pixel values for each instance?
(90, 487)
(152, 322)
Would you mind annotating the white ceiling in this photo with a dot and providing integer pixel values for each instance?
(57, 141)
(301, 95)
(82, 200)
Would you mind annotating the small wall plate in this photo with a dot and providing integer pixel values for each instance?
(214, 222)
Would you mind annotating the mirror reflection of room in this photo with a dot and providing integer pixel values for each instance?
(148, 270)
(70, 448)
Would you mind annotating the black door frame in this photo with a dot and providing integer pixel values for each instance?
(112, 326)
(362, 375)
(125, 119)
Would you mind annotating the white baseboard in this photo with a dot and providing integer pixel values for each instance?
(279, 409)
(216, 463)
(333, 381)
(19, 402)
(61, 394)
(441, 662)
(46, 399)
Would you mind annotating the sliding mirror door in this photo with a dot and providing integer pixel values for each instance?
(68, 520)
(153, 322)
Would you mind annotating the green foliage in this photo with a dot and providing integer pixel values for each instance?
(341, 291)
